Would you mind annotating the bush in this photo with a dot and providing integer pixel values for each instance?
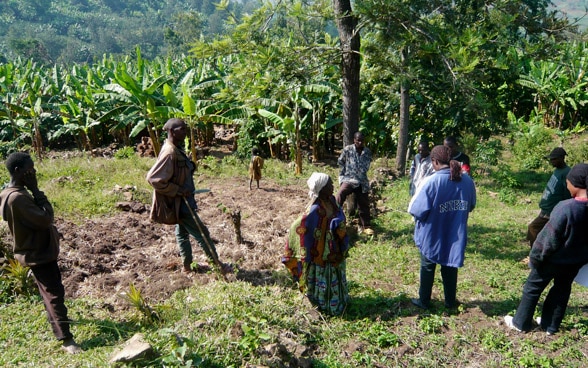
(487, 154)
(125, 152)
(532, 142)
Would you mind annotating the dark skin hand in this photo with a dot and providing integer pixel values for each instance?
(26, 176)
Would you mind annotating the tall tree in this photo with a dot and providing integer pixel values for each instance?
(350, 66)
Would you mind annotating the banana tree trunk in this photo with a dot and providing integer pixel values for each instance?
(298, 157)
(193, 150)
(154, 140)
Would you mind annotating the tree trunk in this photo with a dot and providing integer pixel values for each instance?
(298, 155)
(404, 121)
(350, 67)
(193, 150)
(154, 140)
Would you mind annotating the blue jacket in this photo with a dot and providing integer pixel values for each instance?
(441, 208)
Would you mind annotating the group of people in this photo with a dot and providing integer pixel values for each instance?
(558, 237)
(443, 195)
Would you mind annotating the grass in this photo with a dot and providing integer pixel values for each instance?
(237, 324)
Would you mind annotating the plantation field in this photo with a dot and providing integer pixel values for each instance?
(257, 317)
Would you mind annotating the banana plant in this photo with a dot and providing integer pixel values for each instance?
(26, 104)
(138, 99)
(207, 112)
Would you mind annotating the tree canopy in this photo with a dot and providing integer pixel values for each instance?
(276, 71)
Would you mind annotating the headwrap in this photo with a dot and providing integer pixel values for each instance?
(316, 182)
(578, 175)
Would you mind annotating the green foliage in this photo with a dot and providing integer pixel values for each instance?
(495, 341)
(487, 154)
(431, 324)
(135, 298)
(378, 335)
(530, 359)
(82, 31)
(6, 290)
(532, 141)
(18, 277)
(125, 152)
(253, 336)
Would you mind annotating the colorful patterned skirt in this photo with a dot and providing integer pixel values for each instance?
(326, 287)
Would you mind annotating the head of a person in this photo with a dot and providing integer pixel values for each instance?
(358, 140)
(19, 163)
(320, 185)
(255, 151)
(577, 179)
(423, 149)
(451, 142)
(176, 130)
(557, 157)
(441, 158)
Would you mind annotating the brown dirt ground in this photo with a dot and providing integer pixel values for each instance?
(101, 258)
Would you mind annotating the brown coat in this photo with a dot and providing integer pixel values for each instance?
(30, 220)
(166, 177)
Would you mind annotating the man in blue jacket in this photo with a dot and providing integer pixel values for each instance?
(441, 207)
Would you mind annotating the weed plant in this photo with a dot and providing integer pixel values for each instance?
(238, 324)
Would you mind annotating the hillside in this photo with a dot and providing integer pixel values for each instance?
(574, 9)
(80, 30)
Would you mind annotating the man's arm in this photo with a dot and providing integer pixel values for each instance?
(160, 175)
(550, 239)
(29, 212)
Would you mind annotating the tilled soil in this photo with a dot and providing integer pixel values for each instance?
(100, 258)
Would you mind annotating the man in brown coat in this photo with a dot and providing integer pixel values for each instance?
(36, 241)
(173, 196)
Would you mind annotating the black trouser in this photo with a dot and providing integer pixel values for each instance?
(556, 302)
(48, 278)
(449, 276)
(363, 201)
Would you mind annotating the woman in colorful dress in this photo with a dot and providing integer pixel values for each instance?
(317, 247)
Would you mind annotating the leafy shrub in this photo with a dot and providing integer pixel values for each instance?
(505, 178)
(125, 152)
(576, 154)
(487, 154)
(19, 277)
(253, 335)
(431, 324)
(7, 148)
(532, 141)
(249, 136)
(6, 294)
(136, 299)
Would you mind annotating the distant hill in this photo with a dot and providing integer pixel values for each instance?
(574, 9)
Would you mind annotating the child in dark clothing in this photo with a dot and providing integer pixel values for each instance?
(558, 253)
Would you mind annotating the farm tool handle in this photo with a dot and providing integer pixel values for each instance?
(208, 245)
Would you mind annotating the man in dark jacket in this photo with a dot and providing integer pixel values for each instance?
(36, 241)
(173, 198)
(558, 253)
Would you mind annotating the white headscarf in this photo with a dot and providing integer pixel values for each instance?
(316, 182)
